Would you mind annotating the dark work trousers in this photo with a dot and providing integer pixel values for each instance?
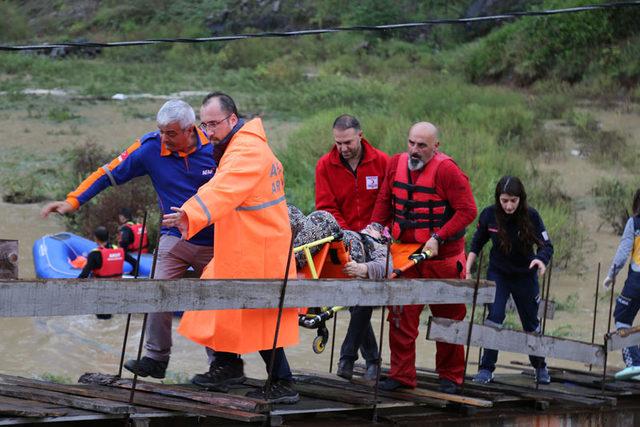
(627, 306)
(281, 369)
(360, 336)
(526, 294)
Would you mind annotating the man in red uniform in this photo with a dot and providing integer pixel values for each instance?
(348, 180)
(426, 198)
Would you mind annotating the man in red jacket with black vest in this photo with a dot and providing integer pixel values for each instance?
(348, 180)
(426, 198)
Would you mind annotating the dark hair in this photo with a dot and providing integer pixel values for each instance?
(635, 207)
(125, 212)
(101, 233)
(345, 122)
(226, 102)
(512, 186)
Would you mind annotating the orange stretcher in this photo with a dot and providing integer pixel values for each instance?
(328, 262)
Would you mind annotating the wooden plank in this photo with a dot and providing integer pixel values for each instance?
(329, 381)
(151, 400)
(618, 340)
(465, 400)
(590, 379)
(542, 395)
(8, 259)
(59, 297)
(91, 404)
(428, 378)
(578, 395)
(573, 390)
(28, 408)
(456, 332)
(191, 393)
(320, 392)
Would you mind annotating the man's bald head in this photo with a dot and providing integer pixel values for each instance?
(422, 144)
(424, 130)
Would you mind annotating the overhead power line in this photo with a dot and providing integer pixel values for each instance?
(359, 28)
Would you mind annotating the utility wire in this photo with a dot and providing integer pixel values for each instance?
(356, 28)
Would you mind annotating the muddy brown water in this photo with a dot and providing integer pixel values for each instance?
(67, 347)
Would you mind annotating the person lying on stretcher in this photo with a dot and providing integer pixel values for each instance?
(366, 256)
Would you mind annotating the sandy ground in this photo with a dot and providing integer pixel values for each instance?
(70, 346)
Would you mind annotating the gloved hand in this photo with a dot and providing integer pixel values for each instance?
(607, 283)
(354, 269)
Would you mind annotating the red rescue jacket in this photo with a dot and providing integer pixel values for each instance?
(112, 262)
(347, 196)
(136, 229)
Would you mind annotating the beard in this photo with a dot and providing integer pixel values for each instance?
(415, 163)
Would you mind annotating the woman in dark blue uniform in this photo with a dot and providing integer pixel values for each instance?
(521, 251)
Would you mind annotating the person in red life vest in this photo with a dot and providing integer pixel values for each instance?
(348, 180)
(103, 261)
(426, 198)
(130, 235)
(178, 159)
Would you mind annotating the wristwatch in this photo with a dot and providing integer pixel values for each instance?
(437, 238)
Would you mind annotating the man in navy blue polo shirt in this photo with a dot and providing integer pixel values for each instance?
(179, 159)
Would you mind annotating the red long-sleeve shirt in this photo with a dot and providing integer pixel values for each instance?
(350, 195)
(452, 185)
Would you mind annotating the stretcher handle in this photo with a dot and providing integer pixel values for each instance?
(334, 236)
(414, 259)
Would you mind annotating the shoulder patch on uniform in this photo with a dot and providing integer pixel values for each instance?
(150, 137)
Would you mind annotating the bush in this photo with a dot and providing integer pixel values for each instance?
(138, 195)
(613, 201)
(13, 23)
(601, 146)
(561, 47)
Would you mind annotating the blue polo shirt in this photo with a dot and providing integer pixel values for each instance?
(176, 176)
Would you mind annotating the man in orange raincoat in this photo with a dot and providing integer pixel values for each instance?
(246, 202)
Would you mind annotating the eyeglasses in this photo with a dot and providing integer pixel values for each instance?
(211, 126)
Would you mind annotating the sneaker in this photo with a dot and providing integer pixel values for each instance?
(371, 373)
(221, 375)
(147, 367)
(542, 375)
(447, 386)
(628, 372)
(389, 384)
(282, 391)
(484, 376)
(345, 369)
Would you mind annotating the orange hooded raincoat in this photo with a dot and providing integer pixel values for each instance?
(245, 200)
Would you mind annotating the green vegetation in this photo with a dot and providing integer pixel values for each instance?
(593, 48)
(138, 194)
(54, 378)
(613, 200)
(388, 80)
(570, 304)
(605, 148)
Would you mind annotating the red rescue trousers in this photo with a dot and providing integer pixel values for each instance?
(404, 321)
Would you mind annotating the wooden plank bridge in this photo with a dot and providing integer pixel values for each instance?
(574, 397)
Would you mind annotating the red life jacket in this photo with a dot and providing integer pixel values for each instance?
(417, 205)
(112, 262)
(136, 229)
